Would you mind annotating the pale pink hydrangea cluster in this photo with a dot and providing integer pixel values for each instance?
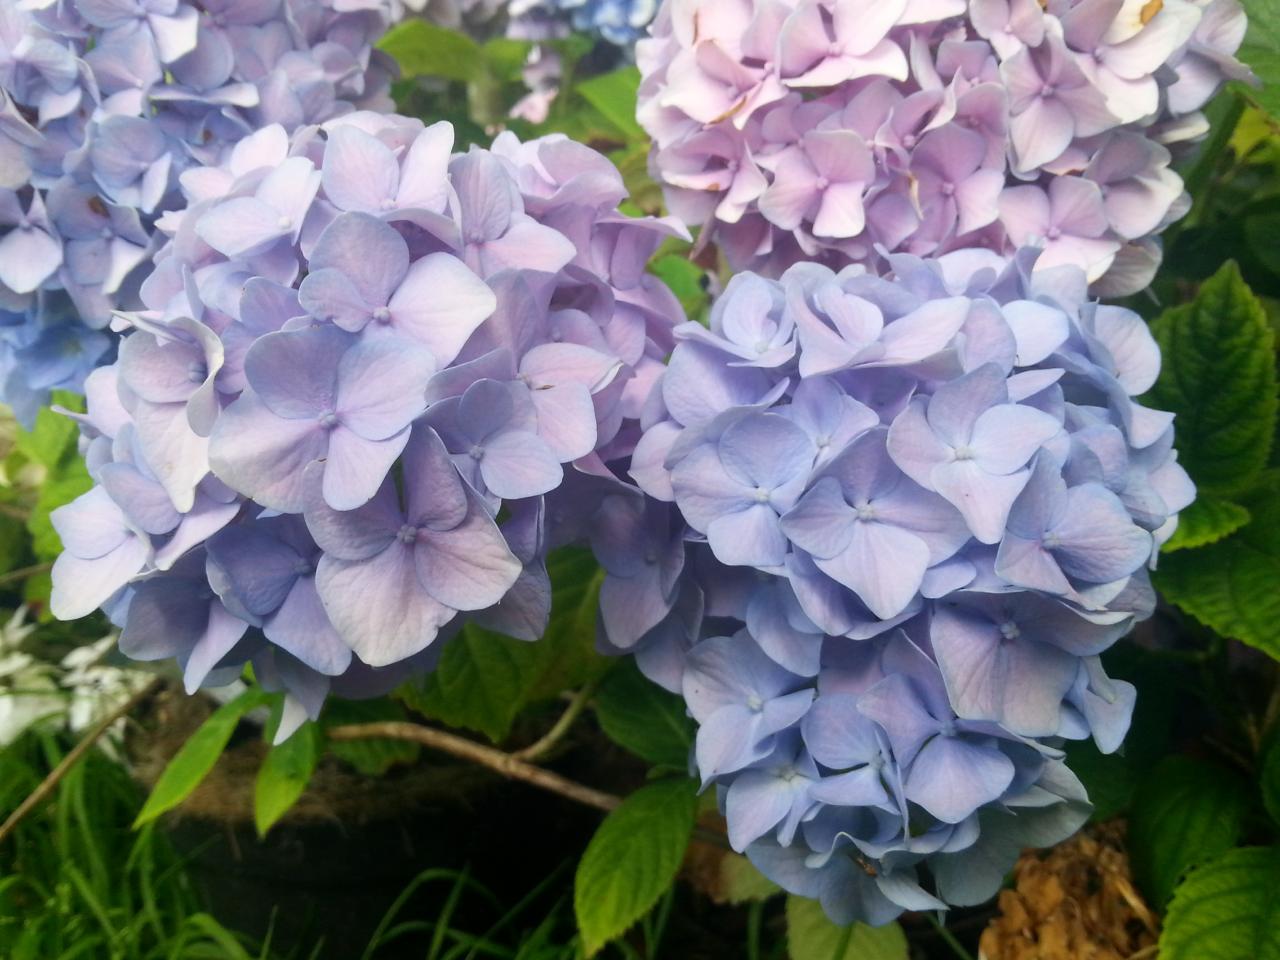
(840, 129)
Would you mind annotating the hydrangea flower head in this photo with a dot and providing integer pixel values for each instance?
(890, 522)
(830, 131)
(362, 365)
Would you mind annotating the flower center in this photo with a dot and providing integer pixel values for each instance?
(1009, 630)
(407, 533)
(754, 703)
(285, 223)
(328, 419)
(382, 314)
(964, 452)
(476, 452)
(762, 495)
(864, 510)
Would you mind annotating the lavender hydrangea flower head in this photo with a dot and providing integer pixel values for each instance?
(889, 524)
(362, 365)
(106, 104)
(830, 131)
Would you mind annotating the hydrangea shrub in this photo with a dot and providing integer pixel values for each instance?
(890, 524)
(827, 130)
(362, 364)
(106, 104)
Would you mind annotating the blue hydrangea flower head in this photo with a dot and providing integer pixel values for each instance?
(888, 524)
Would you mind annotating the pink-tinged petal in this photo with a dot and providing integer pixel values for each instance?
(355, 467)
(1093, 257)
(840, 212)
(977, 200)
(370, 254)
(566, 420)
(82, 586)
(1025, 213)
(241, 226)
(440, 304)
(751, 537)
(382, 386)
(803, 41)
(263, 456)
(1041, 132)
(1077, 206)
(883, 565)
(862, 24)
(378, 606)
(222, 634)
(983, 500)
(527, 245)
(302, 628)
(792, 194)
(360, 171)
(469, 567)
(295, 372)
(913, 445)
(424, 175)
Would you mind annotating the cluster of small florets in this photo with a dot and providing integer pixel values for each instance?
(364, 362)
(890, 524)
(822, 130)
(104, 104)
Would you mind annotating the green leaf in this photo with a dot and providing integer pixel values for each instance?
(1230, 585)
(639, 715)
(741, 882)
(812, 936)
(1206, 521)
(506, 58)
(1269, 777)
(1186, 812)
(51, 440)
(1227, 910)
(480, 683)
(1261, 51)
(632, 860)
(614, 95)
(484, 679)
(193, 762)
(425, 50)
(1219, 377)
(685, 278)
(284, 775)
(371, 757)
